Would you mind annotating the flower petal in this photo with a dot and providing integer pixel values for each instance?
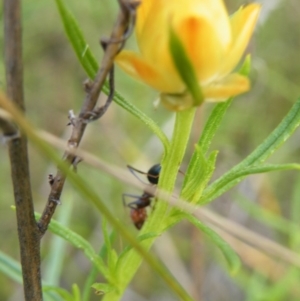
(145, 12)
(213, 11)
(203, 24)
(204, 28)
(202, 46)
(231, 85)
(242, 24)
(152, 30)
(138, 68)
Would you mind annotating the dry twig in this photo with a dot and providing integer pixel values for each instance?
(88, 112)
(28, 232)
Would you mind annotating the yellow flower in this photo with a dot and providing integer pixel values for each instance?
(213, 42)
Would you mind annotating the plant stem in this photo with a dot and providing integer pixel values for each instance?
(128, 265)
(29, 238)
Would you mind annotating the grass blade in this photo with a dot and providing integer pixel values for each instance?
(251, 164)
(77, 241)
(75, 35)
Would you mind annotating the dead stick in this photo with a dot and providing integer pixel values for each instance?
(28, 232)
(113, 45)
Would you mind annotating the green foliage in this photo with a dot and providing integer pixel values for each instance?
(199, 172)
(252, 164)
(118, 265)
(185, 67)
(78, 242)
(75, 35)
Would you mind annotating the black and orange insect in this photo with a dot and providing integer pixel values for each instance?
(138, 212)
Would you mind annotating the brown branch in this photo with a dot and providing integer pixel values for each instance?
(112, 47)
(28, 231)
(10, 130)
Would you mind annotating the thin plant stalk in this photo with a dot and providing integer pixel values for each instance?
(170, 165)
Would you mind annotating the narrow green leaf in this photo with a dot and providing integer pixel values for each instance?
(246, 67)
(283, 131)
(233, 177)
(213, 124)
(79, 242)
(270, 167)
(112, 262)
(198, 163)
(232, 258)
(211, 163)
(196, 169)
(185, 68)
(77, 40)
(198, 174)
(76, 292)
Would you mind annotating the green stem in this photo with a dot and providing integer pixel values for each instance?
(128, 265)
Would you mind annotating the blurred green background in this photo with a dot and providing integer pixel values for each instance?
(53, 86)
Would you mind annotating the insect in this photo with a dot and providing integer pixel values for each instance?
(138, 212)
(138, 216)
